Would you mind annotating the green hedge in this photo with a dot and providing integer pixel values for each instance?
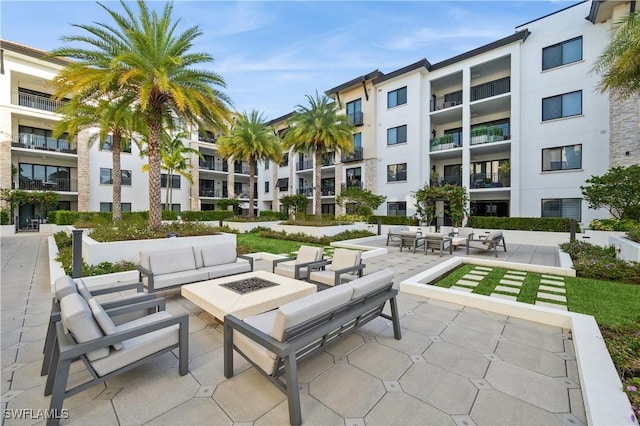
(392, 220)
(67, 217)
(5, 219)
(552, 224)
(270, 214)
(612, 225)
(206, 215)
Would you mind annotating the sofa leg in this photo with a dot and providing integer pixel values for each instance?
(61, 376)
(183, 352)
(293, 393)
(49, 341)
(397, 333)
(228, 351)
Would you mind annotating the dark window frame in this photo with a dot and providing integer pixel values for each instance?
(397, 97)
(562, 60)
(562, 154)
(397, 208)
(545, 117)
(396, 174)
(399, 132)
(174, 179)
(123, 181)
(561, 200)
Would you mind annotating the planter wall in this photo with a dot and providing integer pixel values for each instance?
(94, 252)
(319, 231)
(7, 230)
(248, 226)
(625, 249)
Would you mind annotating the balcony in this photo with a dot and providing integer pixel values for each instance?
(328, 192)
(356, 155)
(304, 165)
(36, 101)
(492, 88)
(208, 138)
(218, 166)
(241, 169)
(487, 134)
(490, 180)
(352, 184)
(328, 161)
(446, 101)
(356, 118)
(448, 141)
(307, 192)
(210, 192)
(43, 143)
(57, 184)
(455, 180)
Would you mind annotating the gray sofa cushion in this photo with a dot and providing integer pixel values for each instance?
(138, 347)
(343, 258)
(174, 261)
(78, 320)
(178, 278)
(300, 310)
(104, 321)
(236, 267)
(371, 282)
(258, 353)
(218, 254)
(64, 286)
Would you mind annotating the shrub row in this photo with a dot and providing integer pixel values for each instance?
(304, 238)
(270, 214)
(591, 261)
(67, 217)
(550, 224)
(393, 220)
(612, 225)
(206, 215)
(5, 218)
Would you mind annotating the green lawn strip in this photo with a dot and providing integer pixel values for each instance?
(529, 289)
(489, 282)
(611, 303)
(452, 277)
(253, 243)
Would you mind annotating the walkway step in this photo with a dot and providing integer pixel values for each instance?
(516, 272)
(514, 277)
(550, 305)
(552, 282)
(483, 273)
(511, 282)
(550, 296)
(473, 277)
(483, 268)
(508, 289)
(552, 277)
(546, 288)
(467, 282)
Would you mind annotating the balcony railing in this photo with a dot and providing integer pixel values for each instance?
(490, 180)
(487, 134)
(455, 180)
(44, 143)
(307, 192)
(446, 101)
(492, 88)
(449, 141)
(357, 118)
(328, 192)
(304, 165)
(37, 102)
(356, 155)
(210, 192)
(328, 161)
(353, 184)
(207, 138)
(214, 166)
(242, 195)
(58, 184)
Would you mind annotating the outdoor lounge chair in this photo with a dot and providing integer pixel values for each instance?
(86, 332)
(297, 268)
(65, 285)
(346, 265)
(394, 233)
(412, 240)
(437, 241)
(490, 242)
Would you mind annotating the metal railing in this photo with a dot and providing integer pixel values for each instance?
(217, 166)
(304, 165)
(356, 155)
(31, 141)
(354, 184)
(446, 101)
(357, 118)
(491, 88)
(487, 134)
(328, 192)
(207, 138)
(455, 180)
(490, 180)
(58, 184)
(449, 141)
(210, 192)
(242, 169)
(307, 192)
(36, 101)
(328, 161)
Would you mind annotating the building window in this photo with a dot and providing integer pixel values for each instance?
(562, 158)
(175, 181)
(107, 207)
(106, 177)
(397, 97)
(354, 177)
(396, 135)
(562, 207)
(266, 187)
(283, 184)
(125, 144)
(266, 164)
(562, 53)
(354, 111)
(397, 172)
(285, 160)
(565, 105)
(398, 208)
(33, 137)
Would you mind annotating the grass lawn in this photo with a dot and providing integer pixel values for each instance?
(253, 243)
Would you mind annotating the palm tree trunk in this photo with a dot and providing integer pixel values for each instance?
(154, 126)
(252, 179)
(116, 184)
(316, 183)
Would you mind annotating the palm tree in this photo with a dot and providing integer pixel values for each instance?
(619, 64)
(250, 140)
(173, 153)
(319, 129)
(109, 116)
(142, 54)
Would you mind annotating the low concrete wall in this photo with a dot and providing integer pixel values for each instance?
(248, 226)
(319, 231)
(625, 248)
(7, 230)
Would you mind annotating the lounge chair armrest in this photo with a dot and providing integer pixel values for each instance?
(276, 261)
(144, 271)
(153, 303)
(356, 269)
(71, 350)
(138, 287)
(319, 264)
(135, 298)
(247, 258)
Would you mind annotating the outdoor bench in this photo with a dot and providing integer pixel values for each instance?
(275, 341)
(160, 270)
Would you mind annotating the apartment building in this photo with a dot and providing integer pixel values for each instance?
(518, 122)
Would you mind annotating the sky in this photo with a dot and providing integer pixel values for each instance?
(273, 53)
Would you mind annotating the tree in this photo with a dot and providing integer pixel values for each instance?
(251, 140)
(365, 201)
(295, 203)
(173, 160)
(618, 64)
(427, 196)
(111, 117)
(320, 130)
(143, 56)
(617, 190)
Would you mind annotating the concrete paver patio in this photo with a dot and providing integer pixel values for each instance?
(454, 364)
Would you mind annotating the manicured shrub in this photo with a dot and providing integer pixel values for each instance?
(391, 220)
(612, 224)
(5, 218)
(591, 261)
(272, 215)
(549, 224)
(634, 233)
(351, 218)
(206, 215)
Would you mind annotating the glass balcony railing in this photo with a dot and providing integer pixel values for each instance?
(352, 184)
(357, 118)
(486, 134)
(304, 165)
(492, 88)
(328, 161)
(44, 143)
(216, 166)
(356, 155)
(210, 192)
(448, 141)
(307, 192)
(490, 180)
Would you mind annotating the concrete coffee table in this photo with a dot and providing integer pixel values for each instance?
(219, 301)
